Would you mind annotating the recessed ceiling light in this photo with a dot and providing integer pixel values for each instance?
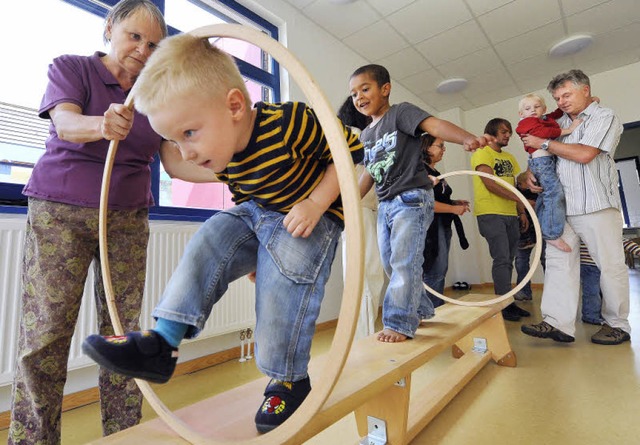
(571, 45)
(449, 86)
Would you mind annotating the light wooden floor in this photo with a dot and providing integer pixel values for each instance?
(560, 394)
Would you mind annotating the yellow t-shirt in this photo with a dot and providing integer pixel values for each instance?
(505, 166)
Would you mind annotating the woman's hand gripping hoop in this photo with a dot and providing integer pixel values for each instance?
(536, 254)
(287, 432)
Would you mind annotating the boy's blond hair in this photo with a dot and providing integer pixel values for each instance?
(530, 96)
(184, 65)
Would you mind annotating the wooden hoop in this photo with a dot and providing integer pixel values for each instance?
(536, 254)
(287, 432)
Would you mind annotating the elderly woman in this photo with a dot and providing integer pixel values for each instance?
(84, 101)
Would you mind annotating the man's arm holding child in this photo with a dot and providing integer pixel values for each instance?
(452, 133)
(303, 217)
(580, 153)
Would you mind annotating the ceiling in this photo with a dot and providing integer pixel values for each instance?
(500, 46)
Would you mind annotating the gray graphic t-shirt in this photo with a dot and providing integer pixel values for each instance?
(392, 153)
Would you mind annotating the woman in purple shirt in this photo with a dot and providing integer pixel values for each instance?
(84, 100)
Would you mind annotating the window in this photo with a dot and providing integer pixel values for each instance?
(23, 133)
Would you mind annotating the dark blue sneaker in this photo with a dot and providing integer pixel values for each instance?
(142, 355)
(281, 399)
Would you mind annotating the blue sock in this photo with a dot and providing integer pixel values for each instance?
(172, 331)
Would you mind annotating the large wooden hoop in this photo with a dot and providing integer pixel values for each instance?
(288, 432)
(536, 254)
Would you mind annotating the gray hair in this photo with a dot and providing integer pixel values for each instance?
(125, 8)
(576, 77)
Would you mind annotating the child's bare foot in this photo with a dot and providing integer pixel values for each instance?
(389, 336)
(559, 244)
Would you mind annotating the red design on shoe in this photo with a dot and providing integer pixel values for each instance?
(273, 405)
(116, 339)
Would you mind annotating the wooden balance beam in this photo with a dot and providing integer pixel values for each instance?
(375, 384)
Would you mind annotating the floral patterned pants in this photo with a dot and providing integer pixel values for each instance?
(60, 243)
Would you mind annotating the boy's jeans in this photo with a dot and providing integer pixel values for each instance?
(591, 297)
(523, 264)
(438, 270)
(402, 227)
(550, 205)
(291, 274)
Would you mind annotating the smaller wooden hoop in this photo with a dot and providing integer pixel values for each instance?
(536, 254)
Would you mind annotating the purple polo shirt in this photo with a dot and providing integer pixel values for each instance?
(71, 173)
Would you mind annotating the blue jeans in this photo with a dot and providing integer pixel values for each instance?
(434, 277)
(550, 205)
(291, 274)
(523, 264)
(402, 227)
(502, 234)
(591, 296)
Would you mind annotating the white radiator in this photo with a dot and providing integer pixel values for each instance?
(235, 311)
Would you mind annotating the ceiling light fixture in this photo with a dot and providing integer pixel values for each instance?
(571, 45)
(449, 86)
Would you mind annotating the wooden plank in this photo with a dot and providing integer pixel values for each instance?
(371, 369)
(429, 401)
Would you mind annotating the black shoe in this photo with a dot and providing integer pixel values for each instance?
(610, 336)
(518, 310)
(141, 355)
(281, 399)
(545, 330)
(510, 314)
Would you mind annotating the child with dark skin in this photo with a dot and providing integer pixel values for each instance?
(394, 162)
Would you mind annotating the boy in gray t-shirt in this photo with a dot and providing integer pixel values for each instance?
(394, 162)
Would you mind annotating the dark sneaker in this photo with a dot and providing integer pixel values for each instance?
(518, 310)
(141, 355)
(281, 399)
(509, 314)
(545, 330)
(610, 336)
(521, 296)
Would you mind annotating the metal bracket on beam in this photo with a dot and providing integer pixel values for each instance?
(377, 432)
(480, 345)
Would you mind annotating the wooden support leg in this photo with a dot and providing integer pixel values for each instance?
(392, 406)
(495, 333)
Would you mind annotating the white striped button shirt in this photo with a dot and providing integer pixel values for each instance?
(593, 186)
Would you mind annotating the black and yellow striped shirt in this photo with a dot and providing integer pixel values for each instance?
(285, 159)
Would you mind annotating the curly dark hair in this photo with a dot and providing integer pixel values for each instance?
(350, 116)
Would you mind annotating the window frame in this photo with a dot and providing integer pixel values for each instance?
(13, 201)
